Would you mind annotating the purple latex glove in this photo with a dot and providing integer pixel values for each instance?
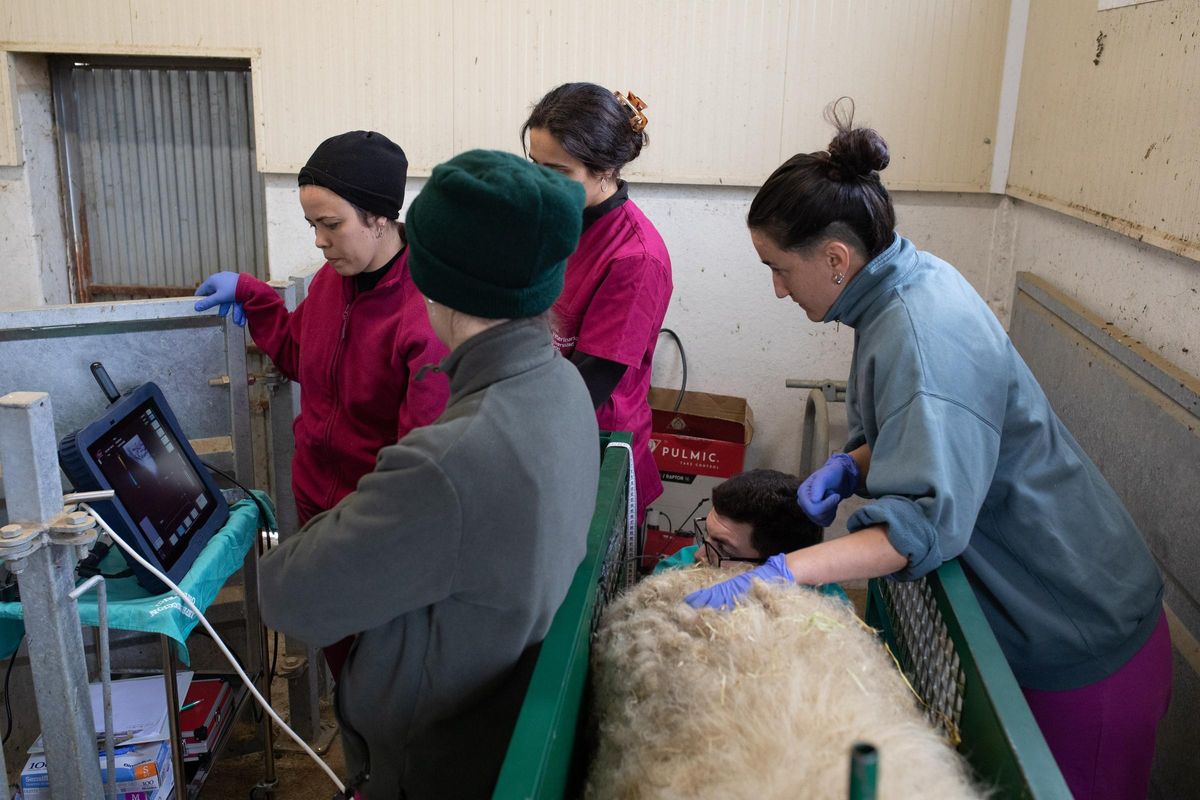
(726, 593)
(221, 289)
(821, 492)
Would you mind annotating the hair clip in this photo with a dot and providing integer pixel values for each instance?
(637, 119)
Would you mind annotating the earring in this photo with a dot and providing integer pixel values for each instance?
(838, 277)
(604, 184)
(379, 233)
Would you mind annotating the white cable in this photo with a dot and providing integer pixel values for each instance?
(220, 644)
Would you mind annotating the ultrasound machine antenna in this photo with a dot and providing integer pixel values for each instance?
(106, 384)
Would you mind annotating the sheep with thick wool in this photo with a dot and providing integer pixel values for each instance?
(764, 701)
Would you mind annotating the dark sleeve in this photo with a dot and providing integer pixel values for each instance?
(600, 375)
(386, 549)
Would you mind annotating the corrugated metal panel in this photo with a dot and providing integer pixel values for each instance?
(925, 73)
(165, 157)
(1108, 122)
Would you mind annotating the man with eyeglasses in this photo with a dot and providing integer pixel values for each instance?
(754, 515)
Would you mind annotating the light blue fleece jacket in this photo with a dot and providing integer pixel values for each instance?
(969, 460)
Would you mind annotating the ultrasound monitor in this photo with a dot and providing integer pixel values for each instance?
(166, 505)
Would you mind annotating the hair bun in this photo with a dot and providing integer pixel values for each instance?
(859, 151)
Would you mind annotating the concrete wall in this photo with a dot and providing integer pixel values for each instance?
(1150, 293)
(33, 255)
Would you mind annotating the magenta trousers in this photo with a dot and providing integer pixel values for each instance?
(1102, 734)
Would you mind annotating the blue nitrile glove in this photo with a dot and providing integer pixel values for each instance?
(726, 593)
(821, 492)
(221, 289)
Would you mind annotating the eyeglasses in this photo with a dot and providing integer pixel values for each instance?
(714, 552)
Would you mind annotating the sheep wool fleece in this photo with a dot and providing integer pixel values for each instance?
(968, 459)
(449, 561)
(761, 702)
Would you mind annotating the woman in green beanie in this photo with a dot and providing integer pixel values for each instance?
(452, 556)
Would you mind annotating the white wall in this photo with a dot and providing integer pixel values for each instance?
(739, 338)
(33, 255)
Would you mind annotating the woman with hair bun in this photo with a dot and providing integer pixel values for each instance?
(960, 455)
(618, 281)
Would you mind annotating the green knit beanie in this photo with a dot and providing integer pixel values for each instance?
(490, 233)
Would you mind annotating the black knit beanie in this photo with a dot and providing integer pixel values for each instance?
(490, 233)
(364, 167)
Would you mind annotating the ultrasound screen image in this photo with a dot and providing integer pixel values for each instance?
(142, 461)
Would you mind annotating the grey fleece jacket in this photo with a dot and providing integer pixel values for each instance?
(449, 561)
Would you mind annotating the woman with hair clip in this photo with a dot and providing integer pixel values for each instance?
(357, 342)
(618, 281)
(960, 455)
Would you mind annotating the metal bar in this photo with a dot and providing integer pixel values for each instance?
(304, 686)
(169, 666)
(102, 291)
(834, 391)
(267, 725)
(243, 460)
(1169, 379)
(33, 492)
(181, 310)
(164, 62)
(97, 581)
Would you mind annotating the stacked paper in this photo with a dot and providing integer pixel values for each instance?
(142, 752)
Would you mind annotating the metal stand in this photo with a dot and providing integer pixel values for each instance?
(170, 679)
(110, 754)
(814, 439)
(41, 546)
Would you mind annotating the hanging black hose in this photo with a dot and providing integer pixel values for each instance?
(8, 720)
(682, 363)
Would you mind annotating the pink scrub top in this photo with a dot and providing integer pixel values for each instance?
(614, 298)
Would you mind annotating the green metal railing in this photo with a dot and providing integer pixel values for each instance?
(544, 759)
(934, 627)
(945, 647)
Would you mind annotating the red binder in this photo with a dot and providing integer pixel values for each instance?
(205, 714)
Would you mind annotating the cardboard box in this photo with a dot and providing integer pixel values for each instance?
(696, 447)
(141, 771)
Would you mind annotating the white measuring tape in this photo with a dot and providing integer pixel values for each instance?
(631, 541)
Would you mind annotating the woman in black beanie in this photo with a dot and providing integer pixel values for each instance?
(357, 342)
